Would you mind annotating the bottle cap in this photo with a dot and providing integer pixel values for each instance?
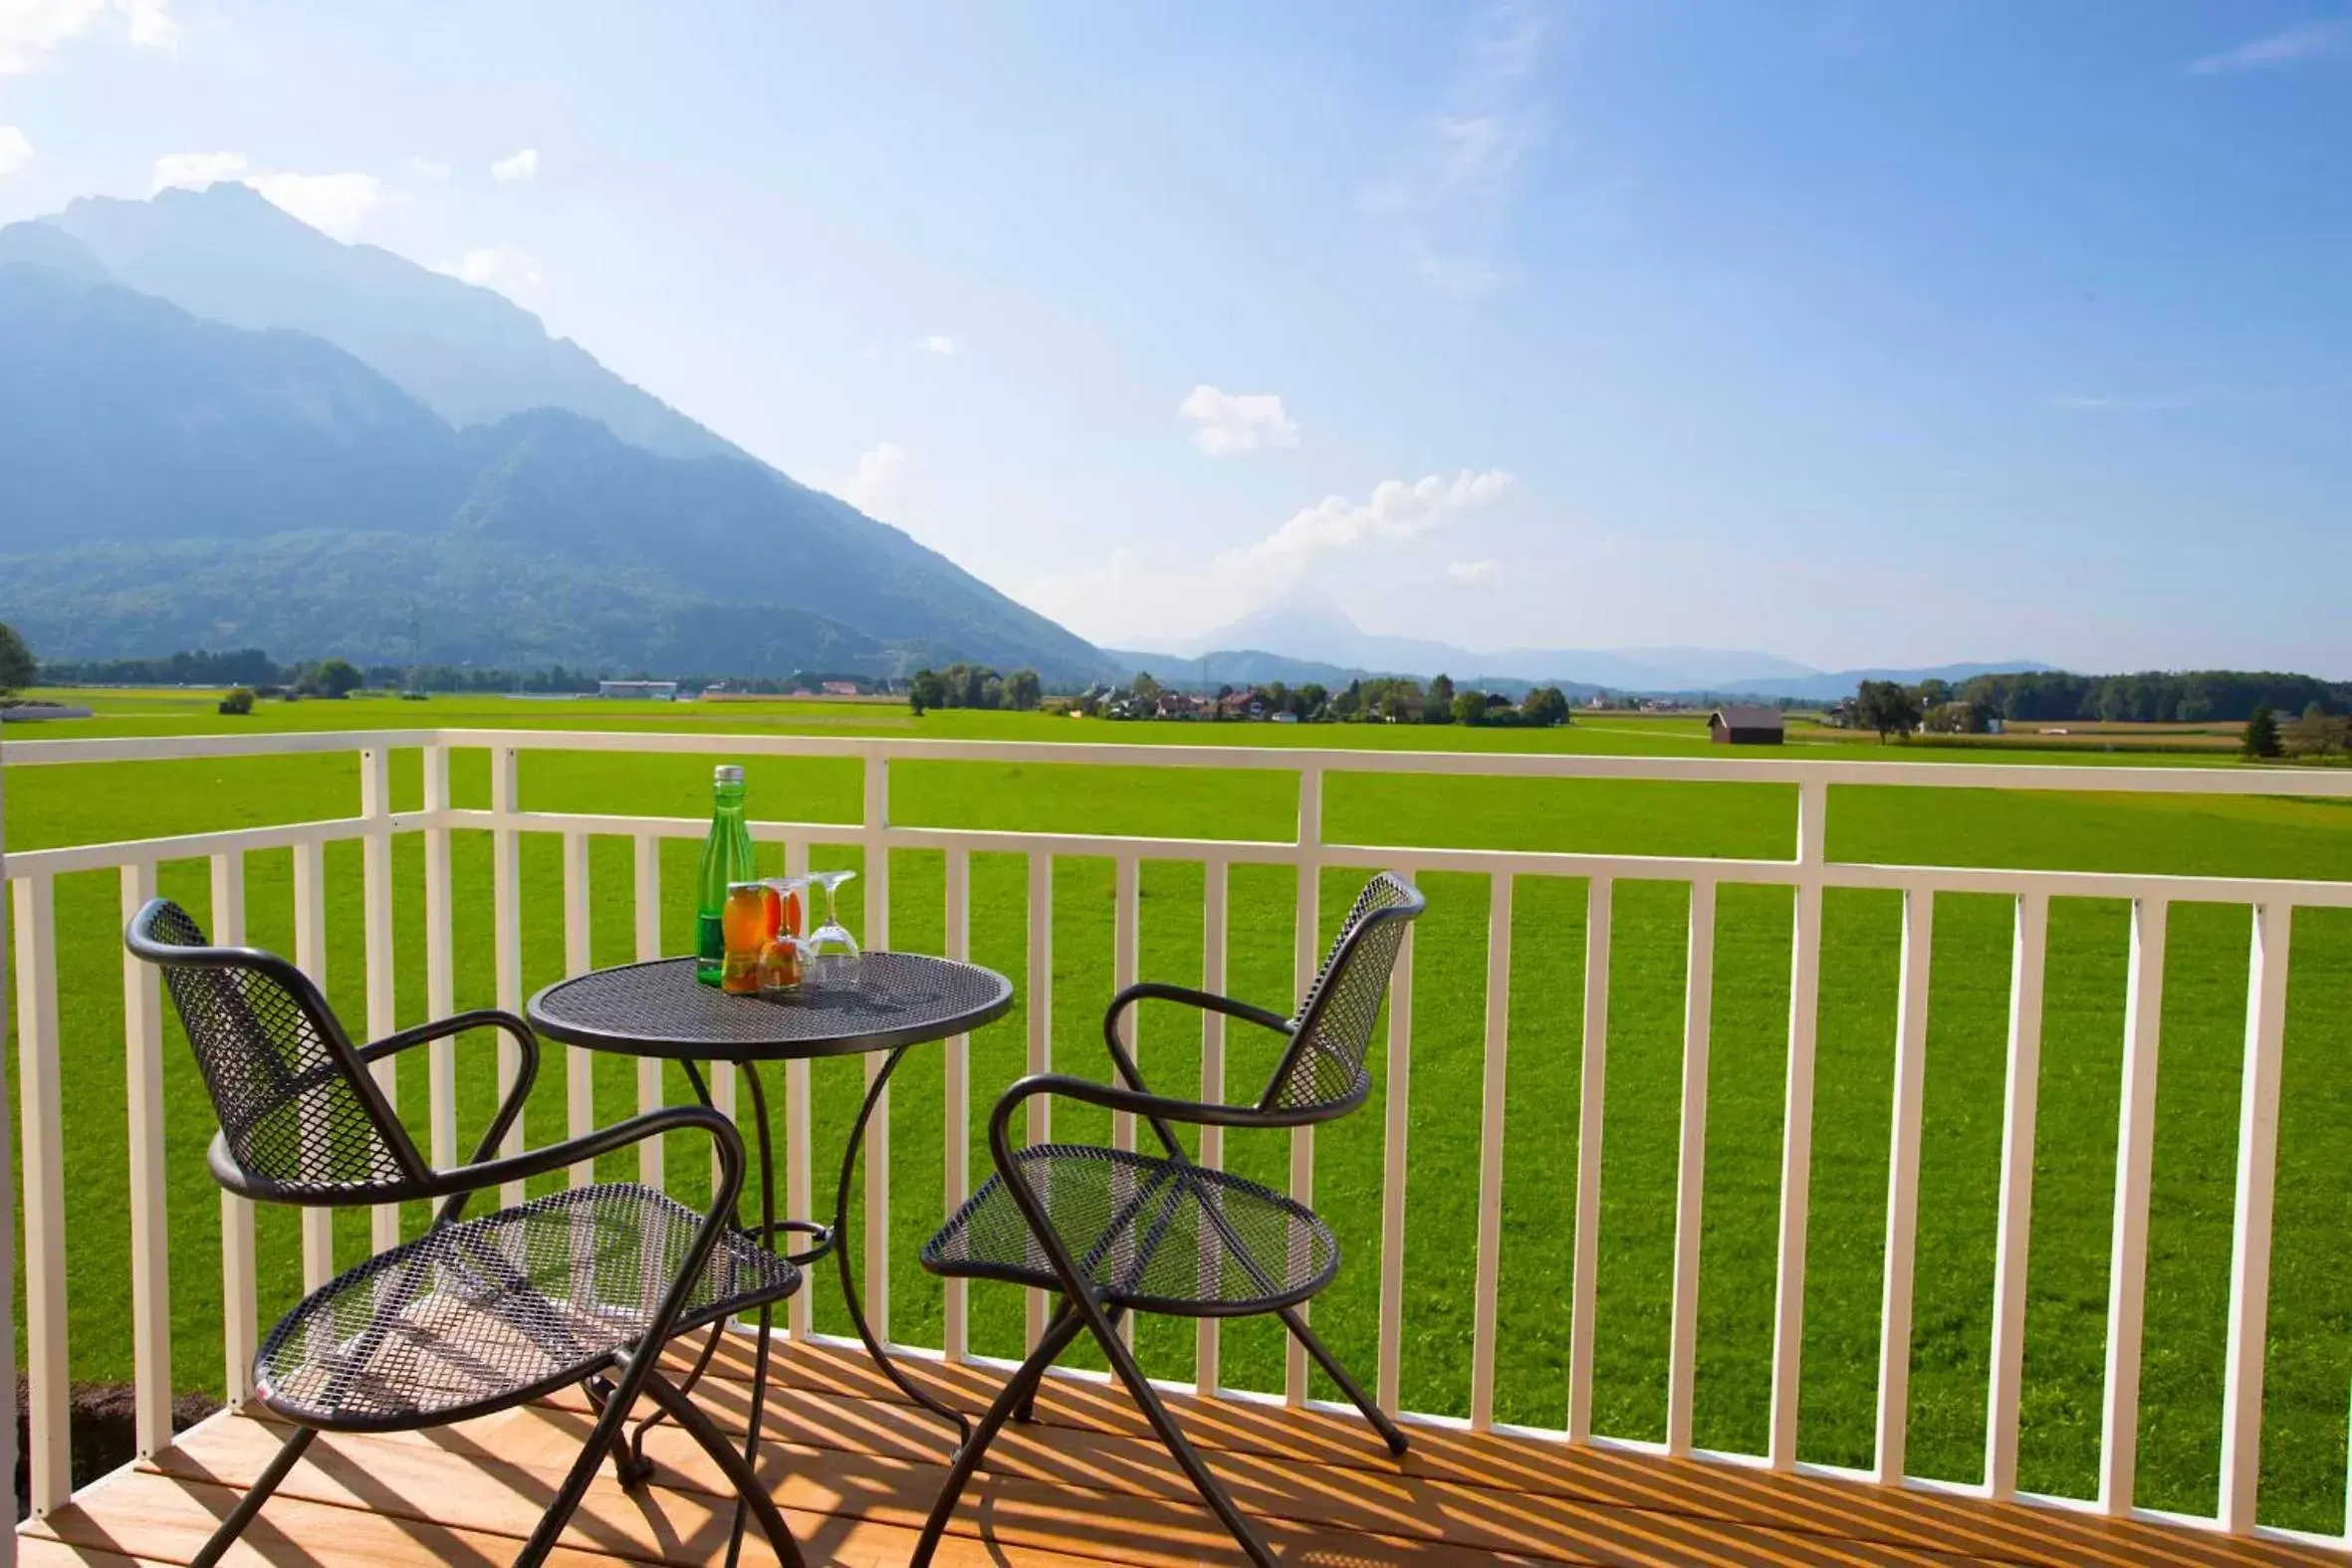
(727, 773)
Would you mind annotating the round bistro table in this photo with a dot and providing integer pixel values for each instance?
(897, 1000)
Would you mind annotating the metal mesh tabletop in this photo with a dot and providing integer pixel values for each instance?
(660, 1009)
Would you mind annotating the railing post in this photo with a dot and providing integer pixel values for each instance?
(877, 1134)
(1040, 1036)
(506, 894)
(1796, 1120)
(8, 1429)
(1308, 932)
(40, 1148)
(2013, 1241)
(1690, 1182)
(310, 956)
(2249, 1248)
(2127, 1268)
(647, 868)
(956, 1145)
(1902, 1241)
(239, 1316)
(440, 975)
(579, 1084)
(1493, 1102)
(150, 1225)
(375, 896)
(1591, 1105)
(1125, 923)
(1207, 1370)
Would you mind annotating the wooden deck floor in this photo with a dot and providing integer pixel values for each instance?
(1087, 1484)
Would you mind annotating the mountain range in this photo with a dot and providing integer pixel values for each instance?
(223, 428)
(1304, 636)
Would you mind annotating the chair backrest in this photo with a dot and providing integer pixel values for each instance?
(1332, 1029)
(300, 1118)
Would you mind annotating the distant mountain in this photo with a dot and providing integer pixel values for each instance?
(173, 482)
(469, 354)
(1305, 627)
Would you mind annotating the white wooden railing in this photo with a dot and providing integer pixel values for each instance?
(32, 876)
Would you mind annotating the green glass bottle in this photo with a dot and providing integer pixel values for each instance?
(726, 857)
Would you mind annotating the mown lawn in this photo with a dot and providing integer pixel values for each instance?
(2303, 1471)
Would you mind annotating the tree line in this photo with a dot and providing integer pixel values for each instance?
(973, 686)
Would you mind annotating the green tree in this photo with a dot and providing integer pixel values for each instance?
(926, 690)
(1022, 690)
(237, 702)
(2262, 732)
(1545, 706)
(1931, 693)
(1439, 709)
(336, 678)
(1144, 688)
(16, 662)
(1470, 708)
(1311, 698)
(1887, 708)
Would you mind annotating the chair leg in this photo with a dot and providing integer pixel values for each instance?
(1347, 1385)
(600, 1440)
(1029, 1403)
(1019, 1392)
(255, 1495)
(731, 1463)
(1122, 1361)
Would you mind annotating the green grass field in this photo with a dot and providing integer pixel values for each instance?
(2310, 1360)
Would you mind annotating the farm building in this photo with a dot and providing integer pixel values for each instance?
(658, 691)
(1745, 726)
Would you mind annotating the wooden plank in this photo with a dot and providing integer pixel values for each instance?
(441, 968)
(1339, 1450)
(375, 897)
(579, 1084)
(956, 1139)
(1306, 930)
(239, 1315)
(41, 1156)
(310, 956)
(1208, 1373)
(506, 939)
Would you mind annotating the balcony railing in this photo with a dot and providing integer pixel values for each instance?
(1307, 854)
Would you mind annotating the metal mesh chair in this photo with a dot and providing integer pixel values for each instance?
(585, 1285)
(1114, 1232)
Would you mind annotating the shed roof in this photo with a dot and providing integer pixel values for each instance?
(1747, 718)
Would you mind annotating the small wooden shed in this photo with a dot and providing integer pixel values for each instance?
(1740, 726)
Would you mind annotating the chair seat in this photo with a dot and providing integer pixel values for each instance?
(1158, 1235)
(489, 1312)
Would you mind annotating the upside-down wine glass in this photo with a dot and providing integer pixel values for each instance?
(833, 951)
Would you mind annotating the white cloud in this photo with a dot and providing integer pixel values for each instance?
(513, 273)
(16, 150)
(513, 171)
(428, 168)
(195, 170)
(33, 31)
(1452, 190)
(334, 204)
(881, 475)
(1394, 511)
(2308, 40)
(1224, 423)
(1476, 573)
(940, 343)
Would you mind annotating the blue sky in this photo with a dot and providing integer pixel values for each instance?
(1856, 330)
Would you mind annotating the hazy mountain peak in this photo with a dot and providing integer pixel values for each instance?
(467, 352)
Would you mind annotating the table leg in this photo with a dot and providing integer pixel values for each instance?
(849, 1296)
(751, 1434)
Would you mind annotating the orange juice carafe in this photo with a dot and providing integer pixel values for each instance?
(743, 924)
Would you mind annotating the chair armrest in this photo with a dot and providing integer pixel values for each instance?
(455, 1024)
(1152, 1107)
(463, 1180)
(1206, 1001)
(459, 1024)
